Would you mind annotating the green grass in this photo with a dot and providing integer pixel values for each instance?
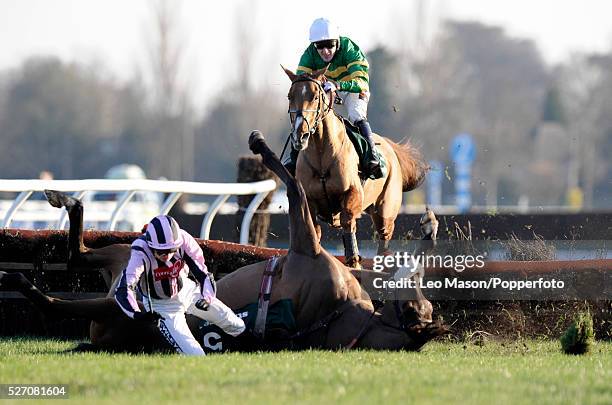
(515, 372)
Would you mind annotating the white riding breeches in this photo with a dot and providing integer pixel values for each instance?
(174, 326)
(356, 105)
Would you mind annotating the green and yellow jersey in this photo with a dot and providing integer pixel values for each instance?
(349, 67)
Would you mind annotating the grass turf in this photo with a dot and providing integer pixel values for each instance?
(513, 372)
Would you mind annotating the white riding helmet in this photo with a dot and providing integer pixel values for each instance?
(163, 233)
(322, 29)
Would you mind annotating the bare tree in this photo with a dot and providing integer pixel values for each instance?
(478, 80)
(586, 87)
(172, 99)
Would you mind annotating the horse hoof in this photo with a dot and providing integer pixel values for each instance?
(256, 142)
(58, 199)
(354, 264)
(55, 198)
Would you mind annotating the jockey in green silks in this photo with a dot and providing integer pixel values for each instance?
(347, 74)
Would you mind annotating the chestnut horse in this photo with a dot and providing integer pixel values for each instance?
(330, 308)
(327, 166)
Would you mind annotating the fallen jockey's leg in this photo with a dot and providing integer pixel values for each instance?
(374, 163)
(175, 330)
(173, 325)
(221, 315)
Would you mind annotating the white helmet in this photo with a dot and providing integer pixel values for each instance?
(163, 233)
(322, 29)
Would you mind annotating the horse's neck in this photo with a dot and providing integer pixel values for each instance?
(380, 336)
(329, 138)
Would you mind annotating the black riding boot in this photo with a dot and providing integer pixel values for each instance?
(291, 163)
(374, 163)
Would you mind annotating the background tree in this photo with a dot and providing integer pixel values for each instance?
(171, 146)
(586, 89)
(478, 80)
(221, 136)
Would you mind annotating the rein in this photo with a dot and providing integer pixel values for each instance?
(327, 320)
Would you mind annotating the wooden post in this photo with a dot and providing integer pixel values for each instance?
(251, 169)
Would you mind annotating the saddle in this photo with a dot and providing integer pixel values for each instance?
(280, 324)
(362, 147)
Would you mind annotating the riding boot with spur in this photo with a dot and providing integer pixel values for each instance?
(373, 168)
(291, 163)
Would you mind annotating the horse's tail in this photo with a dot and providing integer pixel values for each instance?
(412, 165)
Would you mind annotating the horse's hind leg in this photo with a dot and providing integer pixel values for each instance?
(78, 254)
(76, 247)
(110, 328)
(302, 234)
(101, 308)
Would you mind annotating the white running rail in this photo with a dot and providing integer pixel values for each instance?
(174, 189)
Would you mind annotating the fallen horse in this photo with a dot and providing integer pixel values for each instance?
(315, 301)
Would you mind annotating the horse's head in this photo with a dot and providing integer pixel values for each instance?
(308, 105)
(406, 313)
(413, 314)
(413, 319)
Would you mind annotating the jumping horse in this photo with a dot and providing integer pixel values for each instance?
(327, 167)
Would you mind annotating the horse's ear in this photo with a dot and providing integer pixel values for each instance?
(320, 72)
(289, 73)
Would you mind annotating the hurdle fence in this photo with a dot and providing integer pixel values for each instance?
(127, 190)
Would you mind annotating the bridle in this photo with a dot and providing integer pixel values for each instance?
(323, 106)
(326, 321)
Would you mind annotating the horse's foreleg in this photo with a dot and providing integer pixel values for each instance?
(302, 236)
(384, 228)
(351, 208)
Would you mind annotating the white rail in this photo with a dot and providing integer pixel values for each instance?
(175, 189)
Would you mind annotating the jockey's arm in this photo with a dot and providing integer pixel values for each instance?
(125, 294)
(357, 78)
(194, 257)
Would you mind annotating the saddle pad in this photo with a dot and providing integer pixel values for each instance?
(280, 317)
(362, 147)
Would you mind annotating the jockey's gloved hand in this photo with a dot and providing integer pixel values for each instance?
(148, 317)
(330, 86)
(202, 304)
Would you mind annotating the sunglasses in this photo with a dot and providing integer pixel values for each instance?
(162, 252)
(328, 44)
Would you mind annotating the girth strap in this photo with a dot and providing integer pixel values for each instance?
(265, 289)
